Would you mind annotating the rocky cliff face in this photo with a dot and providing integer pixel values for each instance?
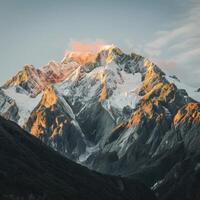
(8, 107)
(34, 81)
(30, 79)
(54, 123)
(115, 113)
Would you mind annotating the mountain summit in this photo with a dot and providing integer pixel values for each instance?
(113, 112)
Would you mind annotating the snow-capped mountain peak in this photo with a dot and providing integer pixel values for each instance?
(100, 107)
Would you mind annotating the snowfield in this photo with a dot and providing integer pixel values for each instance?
(24, 102)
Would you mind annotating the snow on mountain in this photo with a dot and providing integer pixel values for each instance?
(8, 107)
(126, 88)
(32, 80)
(56, 72)
(190, 90)
(24, 102)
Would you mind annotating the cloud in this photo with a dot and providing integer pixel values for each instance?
(83, 52)
(167, 38)
(178, 48)
(84, 47)
(130, 44)
(188, 56)
(189, 43)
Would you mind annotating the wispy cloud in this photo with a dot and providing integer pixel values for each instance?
(179, 46)
(86, 46)
(188, 56)
(155, 47)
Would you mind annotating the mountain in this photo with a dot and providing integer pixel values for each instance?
(54, 122)
(31, 170)
(115, 113)
(8, 107)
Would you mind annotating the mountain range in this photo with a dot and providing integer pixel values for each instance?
(115, 113)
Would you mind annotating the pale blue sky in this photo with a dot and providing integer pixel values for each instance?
(35, 32)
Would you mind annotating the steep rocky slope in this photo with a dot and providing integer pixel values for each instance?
(31, 170)
(54, 123)
(33, 80)
(8, 107)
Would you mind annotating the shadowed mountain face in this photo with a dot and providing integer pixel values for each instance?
(116, 113)
(31, 170)
(182, 181)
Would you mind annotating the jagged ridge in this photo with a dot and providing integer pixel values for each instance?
(117, 113)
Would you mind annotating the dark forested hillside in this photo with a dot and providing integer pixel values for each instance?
(30, 170)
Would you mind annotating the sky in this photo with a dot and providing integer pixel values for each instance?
(166, 32)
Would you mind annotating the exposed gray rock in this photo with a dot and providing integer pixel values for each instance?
(8, 107)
